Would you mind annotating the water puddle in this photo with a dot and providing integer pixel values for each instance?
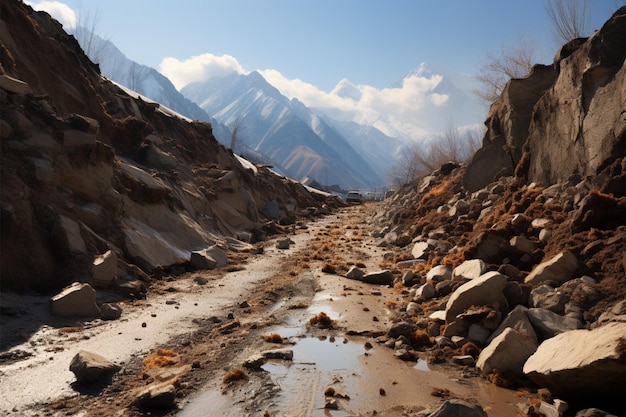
(362, 376)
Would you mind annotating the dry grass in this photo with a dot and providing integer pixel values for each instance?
(74, 329)
(273, 338)
(321, 320)
(236, 374)
(421, 338)
(160, 358)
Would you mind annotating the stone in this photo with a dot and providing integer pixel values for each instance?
(110, 311)
(14, 85)
(70, 237)
(544, 296)
(425, 292)
(439, 273)
(478, 334)
(104, 269)
(470, 269)
(458, 408)
(402, 328)
(521, 244)
(507, 353)
(355, 273)
(556, 409)
(282, 354)
(255, 362)
(283, 243)
(383, 277)
(209, 258)
(582, 363)
(90, 367)
(463, 360)
(549, 324)
(617, 313)
(408, 278)
(559, 269)
(420, 250)
(484, 290)
(544, 235)
(593, 412)
(77, 299)
(518, 320)
(158, 395)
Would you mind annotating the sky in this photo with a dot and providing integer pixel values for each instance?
(306, 47)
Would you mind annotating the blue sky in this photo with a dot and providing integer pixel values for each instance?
(323, 41)
(306, 48)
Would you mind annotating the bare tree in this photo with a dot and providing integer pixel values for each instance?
(570, 19)
(87, 24)
(418, 160)
(235, 133)
(512, 62)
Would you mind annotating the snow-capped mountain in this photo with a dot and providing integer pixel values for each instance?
(143, 79)
(287, 132)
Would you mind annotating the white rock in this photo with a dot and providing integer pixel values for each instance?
(484, 290)
(470, 269)
(560, 269)
(78, 299)
(507, 353)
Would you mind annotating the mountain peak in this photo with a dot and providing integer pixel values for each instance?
(345, 89)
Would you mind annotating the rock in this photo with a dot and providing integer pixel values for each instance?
(425, 292)
(478, 334)
(408, 278)
(282, 354)
(518, 320)
(469, 270)
(110, 311)
(77, 299)
(439, 273)
(593, 412)
(484, 290)
(507, 353)
(463, 360)
(401, 329)
(209, 258)
(355, 273)
(458, 408)
(283, 243)
(14, 85)
(489, 246)
(255, 362)
(521, 244)
(582, 363)
(104, 269)
(560, 269)
(617, 313)
(556, 409)
(69, 236)
(413, 309)
(384, 277)
(544, 296)
(420, 250)
(90, 367)
(158, 395)
(516, 293)
(549, 324)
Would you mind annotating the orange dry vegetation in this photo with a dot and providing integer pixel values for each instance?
(236, 374)
(160, 358)
(273, 338)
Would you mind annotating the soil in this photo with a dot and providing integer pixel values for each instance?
(198, 328)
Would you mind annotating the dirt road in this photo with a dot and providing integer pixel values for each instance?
(207, 330)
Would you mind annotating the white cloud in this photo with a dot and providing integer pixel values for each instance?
(395, 111)
(198, 68)
(60, 11)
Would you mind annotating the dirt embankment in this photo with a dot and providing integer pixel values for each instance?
(195, 337)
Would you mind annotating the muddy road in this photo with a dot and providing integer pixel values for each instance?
(204, 337)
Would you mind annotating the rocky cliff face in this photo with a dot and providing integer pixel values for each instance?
(565, 119)
(87, 168)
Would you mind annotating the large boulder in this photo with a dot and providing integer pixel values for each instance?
(383, 277)
(549, 324)
(559, 269)
(78, 299)
(104, 269)
(458, 408)
(507, 353)
(90, 367)
(484, 290)
(517, 319)
(582, 363)
(209, 258)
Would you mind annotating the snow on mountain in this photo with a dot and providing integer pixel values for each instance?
(143, 79)
(286, 131)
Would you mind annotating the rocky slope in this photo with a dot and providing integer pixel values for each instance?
(88, 168)
(514, 264)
